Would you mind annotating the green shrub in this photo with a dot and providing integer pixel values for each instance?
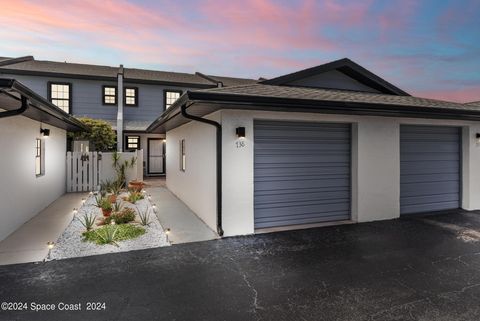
(125, 216)
(110, 234)
(134, 197)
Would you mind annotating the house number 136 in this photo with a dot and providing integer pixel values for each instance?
(240, 144)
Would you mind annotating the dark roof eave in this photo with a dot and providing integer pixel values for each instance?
(305, 105)
(39, 103)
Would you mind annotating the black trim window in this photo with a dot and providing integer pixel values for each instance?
(131, 96)
(133, 142)
(109, 95)
(171, 96)
(182, 155)
(59, 94)
(39, 158)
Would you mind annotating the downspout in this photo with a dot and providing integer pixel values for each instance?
(120, 109)
(15, 112)
(219, 162)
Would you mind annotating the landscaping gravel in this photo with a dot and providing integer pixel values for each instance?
(70, 243)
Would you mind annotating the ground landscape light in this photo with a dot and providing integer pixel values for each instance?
(75, 211)
(50, 245)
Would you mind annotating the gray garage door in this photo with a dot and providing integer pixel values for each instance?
(429, 168)
(302, 173)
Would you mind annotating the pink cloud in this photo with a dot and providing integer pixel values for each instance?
(462, 95)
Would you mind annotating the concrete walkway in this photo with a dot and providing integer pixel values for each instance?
(185, 226)
(29, 242)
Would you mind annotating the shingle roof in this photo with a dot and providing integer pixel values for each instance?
(333, 95)
(66, 69)
(230, 81)
(473, 103)
(130, 125)
(164, 76)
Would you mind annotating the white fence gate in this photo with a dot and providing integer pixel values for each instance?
(83, 171)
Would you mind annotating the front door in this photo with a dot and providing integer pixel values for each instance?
(156, 156)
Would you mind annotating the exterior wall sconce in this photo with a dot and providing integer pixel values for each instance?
(477, 136)
(45, 132)
(240, 131)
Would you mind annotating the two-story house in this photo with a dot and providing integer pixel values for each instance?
(128, 98)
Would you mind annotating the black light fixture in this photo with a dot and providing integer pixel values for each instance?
(478, 137)
(240, 131)
(45, 132)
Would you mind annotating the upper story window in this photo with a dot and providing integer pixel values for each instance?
(133, 142)
(131, 96)
(59, 94)
(171, 96)
(109, 95)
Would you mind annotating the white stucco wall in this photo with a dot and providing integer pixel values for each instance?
(375, 165)
(22, 194)
(197, 185)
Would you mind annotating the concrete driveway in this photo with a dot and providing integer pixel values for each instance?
(421, 269)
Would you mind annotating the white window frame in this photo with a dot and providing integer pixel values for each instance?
(169, 101)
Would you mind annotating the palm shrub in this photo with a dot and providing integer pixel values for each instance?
(117, 207)
(134, 196)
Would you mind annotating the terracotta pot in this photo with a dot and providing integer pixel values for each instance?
(112, 198)
(106, 213)
(136, 185)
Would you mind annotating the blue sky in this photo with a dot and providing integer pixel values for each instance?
(428, 48)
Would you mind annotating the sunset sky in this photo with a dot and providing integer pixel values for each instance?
(428, 48)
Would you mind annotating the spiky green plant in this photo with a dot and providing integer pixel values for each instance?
(117, 206)
(144, 216)
(88, 220)
(107, 235)
(134, 196)
(98, 200)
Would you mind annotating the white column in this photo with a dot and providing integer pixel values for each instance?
(120, 110)
(376, 164)
(471, 168)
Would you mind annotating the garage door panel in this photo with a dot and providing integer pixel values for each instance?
(430, 168)
(295, 184)
(302, 173)
(429, 178)
(327, 217)
(305, 196)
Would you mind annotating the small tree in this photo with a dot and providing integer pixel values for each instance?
(101, 135)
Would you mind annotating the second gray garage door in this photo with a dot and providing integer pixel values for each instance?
(430, 168)
(302, 173)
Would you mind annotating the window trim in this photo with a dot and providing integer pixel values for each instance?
(49, 94)
(103, 95)
(135, 104)
(183, 156)
(138, 144)
(165, 91)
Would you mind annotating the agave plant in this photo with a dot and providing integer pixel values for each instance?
(108, 235)
(117, 206)
(88, 220)
(144, 216)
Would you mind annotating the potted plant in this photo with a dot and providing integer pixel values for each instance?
(106, 207)
(136, 185)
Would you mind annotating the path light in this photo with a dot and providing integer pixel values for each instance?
(112, 222)
(75, 211)
(91, 193)
(50, 246)
(154, 207)
(167, 233)
(149, 197)
(83, 201)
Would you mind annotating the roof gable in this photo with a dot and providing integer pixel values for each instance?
(342, 74)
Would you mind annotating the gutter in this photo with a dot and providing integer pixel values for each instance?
(219, 161)
(15, 112)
